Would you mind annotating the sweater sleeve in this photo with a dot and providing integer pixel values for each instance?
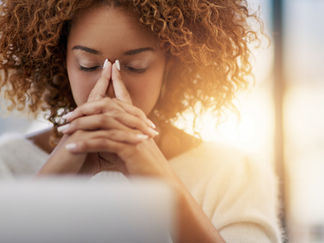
(245, 233)
(238, 194)
(19, 156)
(5, 173)
(244, 207)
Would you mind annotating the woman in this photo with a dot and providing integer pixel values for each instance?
(123, 70)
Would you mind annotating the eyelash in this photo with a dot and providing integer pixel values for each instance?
(91, 69)
(136, 70)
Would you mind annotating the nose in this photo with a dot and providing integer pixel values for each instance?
(110, 92)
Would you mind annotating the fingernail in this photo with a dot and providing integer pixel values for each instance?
(155, 133)
(67, 116)
(63, 128)
(151, 123)
(141, 136)
(71, 146)
(117, 63)
(105, 63)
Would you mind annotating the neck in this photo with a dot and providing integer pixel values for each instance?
(173, 141)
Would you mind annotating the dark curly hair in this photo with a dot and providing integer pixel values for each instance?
(207, 39)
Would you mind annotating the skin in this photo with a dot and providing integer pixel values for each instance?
(142, 62)
(111, 117)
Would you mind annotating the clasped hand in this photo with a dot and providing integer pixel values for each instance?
(112, 126)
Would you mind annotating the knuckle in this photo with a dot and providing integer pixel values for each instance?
(138, 112)
(97, 109)
(141, 114)
(75, 124)
(103, 119)
(143, 124)
(140, 125)
(99, 105)
(115, 113)
(111, 134)
(83, 145)
(105, 104)
(104, 142)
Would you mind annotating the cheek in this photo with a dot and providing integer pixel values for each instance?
(81, 85)
(145, 90)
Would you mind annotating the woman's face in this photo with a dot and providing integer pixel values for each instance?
(107, 32)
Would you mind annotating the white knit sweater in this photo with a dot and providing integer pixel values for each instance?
(237, 194)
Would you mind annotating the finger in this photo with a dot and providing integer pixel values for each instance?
(108, 141)
(135, 122)
(119, 86)
(92, 108)
(105, 105)
(94, 122)
(99, 90)
(135, 111)
(119, 136)
(113, 120)
(95, 145)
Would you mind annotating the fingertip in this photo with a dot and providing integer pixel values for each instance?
(72, 147)
(151, 124)
(153, 132)
(67, 117)
(142, 136)
(63, 128)
(106, 69)
(117, 64)
(105, 63)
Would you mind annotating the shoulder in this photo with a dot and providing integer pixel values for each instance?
(10, 141)
(225, 167)
(41, 139)
(211, 157)
(19, 155)
(233, 187)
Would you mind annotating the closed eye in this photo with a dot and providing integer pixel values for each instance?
(89, 69)
(136, 70)
(129, 68)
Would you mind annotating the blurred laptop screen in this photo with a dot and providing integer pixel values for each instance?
(76, 210)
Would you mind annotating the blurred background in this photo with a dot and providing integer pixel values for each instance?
(281, 116)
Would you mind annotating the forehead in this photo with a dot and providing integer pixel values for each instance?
(110, 30)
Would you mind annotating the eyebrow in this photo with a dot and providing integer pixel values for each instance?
(127, 53)
(86, 49)
(139, 50)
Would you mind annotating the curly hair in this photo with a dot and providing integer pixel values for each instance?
(208, 40)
